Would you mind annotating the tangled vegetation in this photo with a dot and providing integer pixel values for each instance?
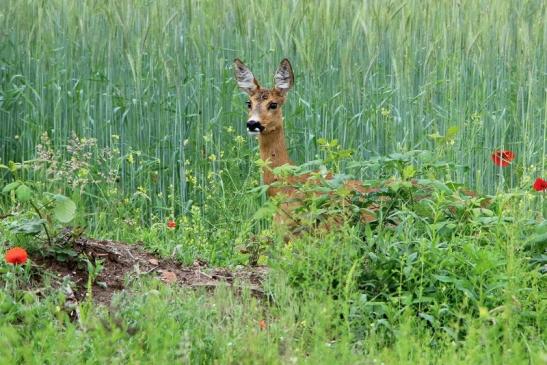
(122, 121)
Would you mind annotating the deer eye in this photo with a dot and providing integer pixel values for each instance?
(248, 104)
(272, 106)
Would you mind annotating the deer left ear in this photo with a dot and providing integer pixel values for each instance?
(284, 77)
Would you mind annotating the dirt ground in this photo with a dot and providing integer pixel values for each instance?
(121, 261)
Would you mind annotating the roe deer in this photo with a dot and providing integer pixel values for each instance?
(265, 121)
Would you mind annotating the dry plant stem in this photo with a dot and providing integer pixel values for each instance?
(43, 224)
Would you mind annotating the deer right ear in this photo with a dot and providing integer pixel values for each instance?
(245, 78)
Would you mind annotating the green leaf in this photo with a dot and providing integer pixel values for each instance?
(423, 300)
(444, 278)
(408, 172)
(11, 186)
(487, 220)
(310, 165)
(427, 317)
(65, 209)
(451, 133)
(541, 228)
(438, 185)
(538, 240)
(477, 212)
(266, 211)
(23, 193)
(262, 189)
(27, 226)
(397, 157)
(338, 180)
(262, 260)
(284, 170)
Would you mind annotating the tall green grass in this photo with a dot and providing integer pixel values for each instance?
(380, 76)
(151, 81)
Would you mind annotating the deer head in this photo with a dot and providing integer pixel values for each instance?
(265, 115)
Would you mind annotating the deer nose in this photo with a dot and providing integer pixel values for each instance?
(254, 126)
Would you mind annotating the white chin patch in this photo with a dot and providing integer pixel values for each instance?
(253, 133)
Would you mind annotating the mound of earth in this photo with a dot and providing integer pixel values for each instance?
(121, 261)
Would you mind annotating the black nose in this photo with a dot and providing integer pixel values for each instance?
(254, 126)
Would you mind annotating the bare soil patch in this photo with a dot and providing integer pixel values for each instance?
(122, 261)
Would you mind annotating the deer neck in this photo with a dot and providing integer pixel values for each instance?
(274, 150)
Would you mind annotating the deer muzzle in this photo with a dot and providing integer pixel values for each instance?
(254, 127)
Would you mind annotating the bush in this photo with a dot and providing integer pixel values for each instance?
(431, 248)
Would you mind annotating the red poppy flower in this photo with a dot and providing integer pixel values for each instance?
(540, 184)
(16, 256)
(503, 157)
(171, 224)
(262, 324)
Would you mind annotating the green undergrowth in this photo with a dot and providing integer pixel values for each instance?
(161, 324)
(117, 117)
(434, 274)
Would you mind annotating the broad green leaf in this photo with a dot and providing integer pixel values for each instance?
(11, 186)
(397, 157)
(482, 212)
(436, 184)
(541, 228)
(427, 317)
(487, 220)
(307, 166)
(425, 208)
(538, 240)
(466, 287)
(423, 300)
(262, 189)
(338, 180)
(284, 170)
(65, 209)
(444, 278)
(266, 211)
(30, 226)
(23, 193)
(426, 156)
(539, 259)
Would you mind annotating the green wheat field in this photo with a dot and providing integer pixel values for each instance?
(117, 117)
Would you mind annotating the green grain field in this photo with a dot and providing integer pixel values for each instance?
(131, 110)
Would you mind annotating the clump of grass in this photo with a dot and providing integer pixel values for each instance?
(227, 328)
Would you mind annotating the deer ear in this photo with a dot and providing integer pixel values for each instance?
(284, 77)
(244, 77)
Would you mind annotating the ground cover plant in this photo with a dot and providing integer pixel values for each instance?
(134, 195)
